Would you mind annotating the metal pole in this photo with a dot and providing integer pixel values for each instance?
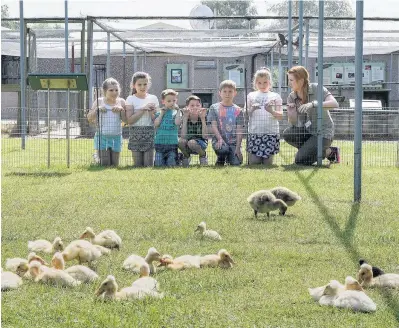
(135, 61)
(300, 52)
(307, 44)
(66, 37)
(289, 45)
(108, 55)
(320, 83)
(272, 61)
(22, 71)
(67, 130)
(48, 123)
(280, 71)
(90, 60)
(358, 101)
(124, 71)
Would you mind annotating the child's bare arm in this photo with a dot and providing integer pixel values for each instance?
(183, 131)
(178, 118)
(92, 114)
(123, 111)
(158, 120)
(203, 121)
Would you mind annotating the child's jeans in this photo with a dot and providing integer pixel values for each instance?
(226, 153)
(165, 155)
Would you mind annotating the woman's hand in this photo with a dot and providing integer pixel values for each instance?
(305, 108)
(102, 109)
(238, 153)
(219, 144)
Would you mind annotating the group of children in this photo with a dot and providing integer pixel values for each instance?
(152, 127)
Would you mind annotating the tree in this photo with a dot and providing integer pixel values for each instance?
(5, 13)
(233, 8)
(332, 8)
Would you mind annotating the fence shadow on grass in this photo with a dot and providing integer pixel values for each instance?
(39, 174)
(345, 235)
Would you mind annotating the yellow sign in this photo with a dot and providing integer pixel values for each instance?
(58, 83)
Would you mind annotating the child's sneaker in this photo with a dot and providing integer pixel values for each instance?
(203, 160)
(334, 156)
(186, 161)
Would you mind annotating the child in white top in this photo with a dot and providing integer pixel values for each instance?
(108, 113)
(264, 111)
(140, 113)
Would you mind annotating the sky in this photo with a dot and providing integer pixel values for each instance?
(76, 8)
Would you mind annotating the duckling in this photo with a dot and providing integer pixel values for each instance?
(13, 263)
(134, 262)
(108, 290)
(210, 234)
(376, 270)
(106, 238)
(23, 268)
(145, 281)
(331, 292)
(83, 251)
(264, 201)
(365, 277)
(78, 272)
(45, 246)
(222, 259)
(287, 196)
(51, 276)
(317, 292)
(354, 298)
(181, 262)
(9, 280)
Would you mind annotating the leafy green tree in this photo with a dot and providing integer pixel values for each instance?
(332, 8)
(233, 8)
(5, 13)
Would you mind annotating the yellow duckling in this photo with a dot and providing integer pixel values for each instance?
(145, 281)
(222, 259)
(9, 280)
(209, 234)
(83, 251)
(108, 290)
(45, 246)
(78, 272)
(365, 277)
(106, 238)
(134, 262)
(51, 276)
(181, 262)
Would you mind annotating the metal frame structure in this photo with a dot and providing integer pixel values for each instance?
(113, 36)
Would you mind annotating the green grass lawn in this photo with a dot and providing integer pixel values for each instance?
(277, 259)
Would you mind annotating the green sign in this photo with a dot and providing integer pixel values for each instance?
(71, 81)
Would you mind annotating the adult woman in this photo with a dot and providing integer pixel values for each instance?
(302, 115)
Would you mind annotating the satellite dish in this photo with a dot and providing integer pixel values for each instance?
(201, 11)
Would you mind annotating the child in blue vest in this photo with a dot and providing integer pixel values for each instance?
(167, 123)
(226, 121)
(108, 114)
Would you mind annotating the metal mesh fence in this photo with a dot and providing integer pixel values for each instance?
(48, 142)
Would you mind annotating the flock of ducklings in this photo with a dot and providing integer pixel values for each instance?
(351, 295)
(37, 269)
